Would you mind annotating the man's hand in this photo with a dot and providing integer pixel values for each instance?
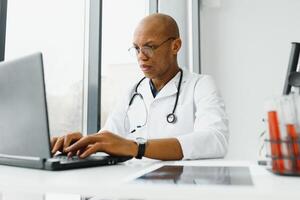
(61, 143)
(104, 141)
(112, 144)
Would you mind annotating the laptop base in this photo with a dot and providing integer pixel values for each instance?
(55, 164)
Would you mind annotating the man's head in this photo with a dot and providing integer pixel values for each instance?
(157, 40)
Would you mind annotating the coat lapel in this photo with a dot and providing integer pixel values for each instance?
(168, 90)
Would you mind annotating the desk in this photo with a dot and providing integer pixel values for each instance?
(115, 182)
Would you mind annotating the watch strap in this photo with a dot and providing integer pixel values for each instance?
(141, 151)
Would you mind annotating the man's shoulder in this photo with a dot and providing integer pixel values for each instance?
(197, 78)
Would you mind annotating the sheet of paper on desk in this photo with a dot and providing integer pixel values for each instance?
(198, 175)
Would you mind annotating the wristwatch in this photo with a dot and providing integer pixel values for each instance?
(141, 142)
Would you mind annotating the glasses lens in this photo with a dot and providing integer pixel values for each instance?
(147, 51)
(133, 51)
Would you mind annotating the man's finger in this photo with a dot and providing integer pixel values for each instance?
(93, 149)
(80, 151)
(82, 143)
(53, 141)
(70, 154)
(58, 145)
(70, 138)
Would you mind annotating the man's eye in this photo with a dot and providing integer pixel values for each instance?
(149, 46)
(137, 49)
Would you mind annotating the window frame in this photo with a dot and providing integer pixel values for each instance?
(3, 14)
(92, 82)
(195, 36)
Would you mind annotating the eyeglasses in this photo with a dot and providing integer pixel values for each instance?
(147, 50)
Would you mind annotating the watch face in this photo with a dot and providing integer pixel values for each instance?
(140, 140)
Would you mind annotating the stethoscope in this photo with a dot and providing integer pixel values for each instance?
(171, 117)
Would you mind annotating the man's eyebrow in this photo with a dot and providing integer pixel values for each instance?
(145, 44)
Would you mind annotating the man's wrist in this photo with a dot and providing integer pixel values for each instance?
(134, 148)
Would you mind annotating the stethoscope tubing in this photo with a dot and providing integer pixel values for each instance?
(171, 117)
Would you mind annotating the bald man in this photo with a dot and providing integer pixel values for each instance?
(196, 128)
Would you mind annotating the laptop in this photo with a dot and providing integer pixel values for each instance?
(24, 127)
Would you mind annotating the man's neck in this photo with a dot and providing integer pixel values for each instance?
(160, 83)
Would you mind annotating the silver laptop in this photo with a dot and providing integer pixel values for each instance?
(24, 128)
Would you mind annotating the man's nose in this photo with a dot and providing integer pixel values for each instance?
(141, 56)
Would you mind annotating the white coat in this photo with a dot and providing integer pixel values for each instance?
(201, 127)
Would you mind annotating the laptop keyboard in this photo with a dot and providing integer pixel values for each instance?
(75, 159)
(63, 157)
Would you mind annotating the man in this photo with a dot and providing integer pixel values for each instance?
(197, 127)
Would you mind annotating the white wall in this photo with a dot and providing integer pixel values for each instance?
(178, 10)
(186, 15)
(245, 45)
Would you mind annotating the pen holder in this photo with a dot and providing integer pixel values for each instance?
(284, 156)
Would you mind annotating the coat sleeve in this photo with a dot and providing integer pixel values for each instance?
(209, 138)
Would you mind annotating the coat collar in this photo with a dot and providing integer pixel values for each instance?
(169, 89)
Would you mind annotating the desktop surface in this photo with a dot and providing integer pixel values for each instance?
(118, 182)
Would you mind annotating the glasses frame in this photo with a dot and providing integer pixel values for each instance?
(149, 48)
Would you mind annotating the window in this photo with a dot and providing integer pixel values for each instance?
(57, 29)
(119, 69)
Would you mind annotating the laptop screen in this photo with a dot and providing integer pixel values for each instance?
(23, 117)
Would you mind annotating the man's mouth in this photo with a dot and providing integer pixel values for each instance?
(145, 68)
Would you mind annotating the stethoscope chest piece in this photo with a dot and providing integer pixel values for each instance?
(171, 118)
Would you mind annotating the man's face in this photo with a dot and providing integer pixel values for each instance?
(156, 64)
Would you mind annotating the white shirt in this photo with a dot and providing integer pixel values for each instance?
(201, 127)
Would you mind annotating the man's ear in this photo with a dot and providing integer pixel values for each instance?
(176, 45)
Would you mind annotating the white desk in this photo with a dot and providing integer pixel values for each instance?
(115, 182)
